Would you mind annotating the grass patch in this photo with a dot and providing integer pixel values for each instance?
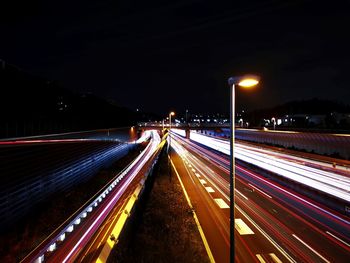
(165, 230)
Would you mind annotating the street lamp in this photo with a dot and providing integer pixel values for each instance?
(170, 114)
(186, 117)
(245, 82)
(274, 122)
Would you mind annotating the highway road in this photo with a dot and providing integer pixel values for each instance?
(273, 222)
(301, 170)
(91, 231)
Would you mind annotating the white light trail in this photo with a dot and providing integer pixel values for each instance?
(146, 155)
(331, 183)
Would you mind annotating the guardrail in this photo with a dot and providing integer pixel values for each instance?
(58, 236)
(121, 222)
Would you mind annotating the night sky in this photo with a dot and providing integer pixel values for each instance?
(162, 55)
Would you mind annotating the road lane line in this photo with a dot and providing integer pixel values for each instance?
(256, 188)
(347, 244)
(209, 189)
(272, 241)
(313, 250)
(205, 242)
(195, 157)
(197, 174)
(212, 182)
(193, 170)
(202, 181)
(242, 228)
(221, 203)
(246, 198)
(260, 258)
(275, 258)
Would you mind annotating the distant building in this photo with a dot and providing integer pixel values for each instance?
(297, 120)
(208, 118)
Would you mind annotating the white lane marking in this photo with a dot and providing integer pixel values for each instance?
(246, 198)
(242, 228)
(214, 184)
(313, 250)
(256, 188)
(210, 170)
(260, 258)
(190, 166)
(221, 203)
(273, 242)
(193, 170)
(200, 229)
(202, 181)
(197, 174)
(275, 258)
(347, 244)
(194, 157)
(209, 189)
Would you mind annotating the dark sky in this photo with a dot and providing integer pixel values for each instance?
(161, 55)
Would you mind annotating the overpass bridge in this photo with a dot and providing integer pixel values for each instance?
(143, 126)
(183, 126)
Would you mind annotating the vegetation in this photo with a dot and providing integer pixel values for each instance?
(165, 231)
(30, 105)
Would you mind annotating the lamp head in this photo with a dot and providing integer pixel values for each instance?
(245, 81)
(172, 113)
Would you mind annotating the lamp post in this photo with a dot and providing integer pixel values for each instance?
(169, 145)
(170, 114)
(245, 82)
